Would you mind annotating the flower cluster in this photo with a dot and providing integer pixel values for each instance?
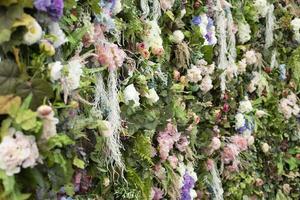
(187, 181)
(199, 70)
(166, 140)
(244, 124)
(152, 40)
(17, 150)
(54, 8)
(288, 106)
(230, 153)
(207, 28)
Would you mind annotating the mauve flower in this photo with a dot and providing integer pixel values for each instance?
(182, 144)
(54, 8)
(173, 160)
(209, 164)
(229, 153)
(156, 193)
(215, 144)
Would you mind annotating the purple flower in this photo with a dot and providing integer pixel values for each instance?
(188, 184)
(54, 8)
(196, 20)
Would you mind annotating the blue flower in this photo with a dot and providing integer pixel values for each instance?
(196, 20)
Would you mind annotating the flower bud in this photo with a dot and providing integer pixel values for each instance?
(47, 47)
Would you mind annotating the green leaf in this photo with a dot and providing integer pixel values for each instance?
(5, 35)
(27, 119)
(78, 163)
(59, 141)
(7, 2)
(9, 77)
(39, 89)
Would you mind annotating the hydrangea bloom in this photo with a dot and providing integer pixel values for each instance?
(166, 140)
(207, 28)
(54, 8)
(17, 150)
(187, 182)
(59, 35)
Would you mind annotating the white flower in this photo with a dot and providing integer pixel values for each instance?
(203, 24)
(239, 120)
(288, 106)
(194, 74)
(245, 106)
(244, 32)
(215, 143)
(241, 66)
(295, 23)
(118, 7)
(206, 84)
(250, 139)
(34, 32)
(60, 37)
(178, 36)
(166, 4)
(130, 94)
(17, 150)
(262, 7)
(74, 68)
(265, 147)
(55, 70)
(251, 57)
(49, 122)
(152, 96)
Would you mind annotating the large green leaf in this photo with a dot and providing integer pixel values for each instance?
(9, 77)
(39, 89)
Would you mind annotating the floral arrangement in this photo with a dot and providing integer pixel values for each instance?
(149, 99)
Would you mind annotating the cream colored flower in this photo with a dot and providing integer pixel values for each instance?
(17, 150)
(245, 106)
(34, 32)
(49, 122)
(194, 74)
(206, 84)
(178, 36)
(152, 96)
(265, 147)
(131, 94)
(55, 70)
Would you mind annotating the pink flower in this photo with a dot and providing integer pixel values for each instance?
(230, 152)
(166, 140)
(240, 141)
(226, 107)
(234, 167)
(215, 143)
(182, 144)
(209, 164)
(173, 160)
(156, 193)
